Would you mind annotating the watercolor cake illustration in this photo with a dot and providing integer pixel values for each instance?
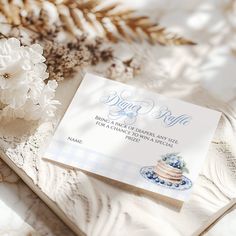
(168, 172)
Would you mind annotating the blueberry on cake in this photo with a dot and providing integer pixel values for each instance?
(170, 168)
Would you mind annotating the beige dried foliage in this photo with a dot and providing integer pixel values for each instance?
(112, 21)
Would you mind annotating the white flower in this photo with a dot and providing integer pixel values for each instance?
(23, 92)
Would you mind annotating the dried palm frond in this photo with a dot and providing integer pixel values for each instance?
(112, 21)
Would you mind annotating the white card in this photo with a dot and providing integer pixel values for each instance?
(134, 136)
